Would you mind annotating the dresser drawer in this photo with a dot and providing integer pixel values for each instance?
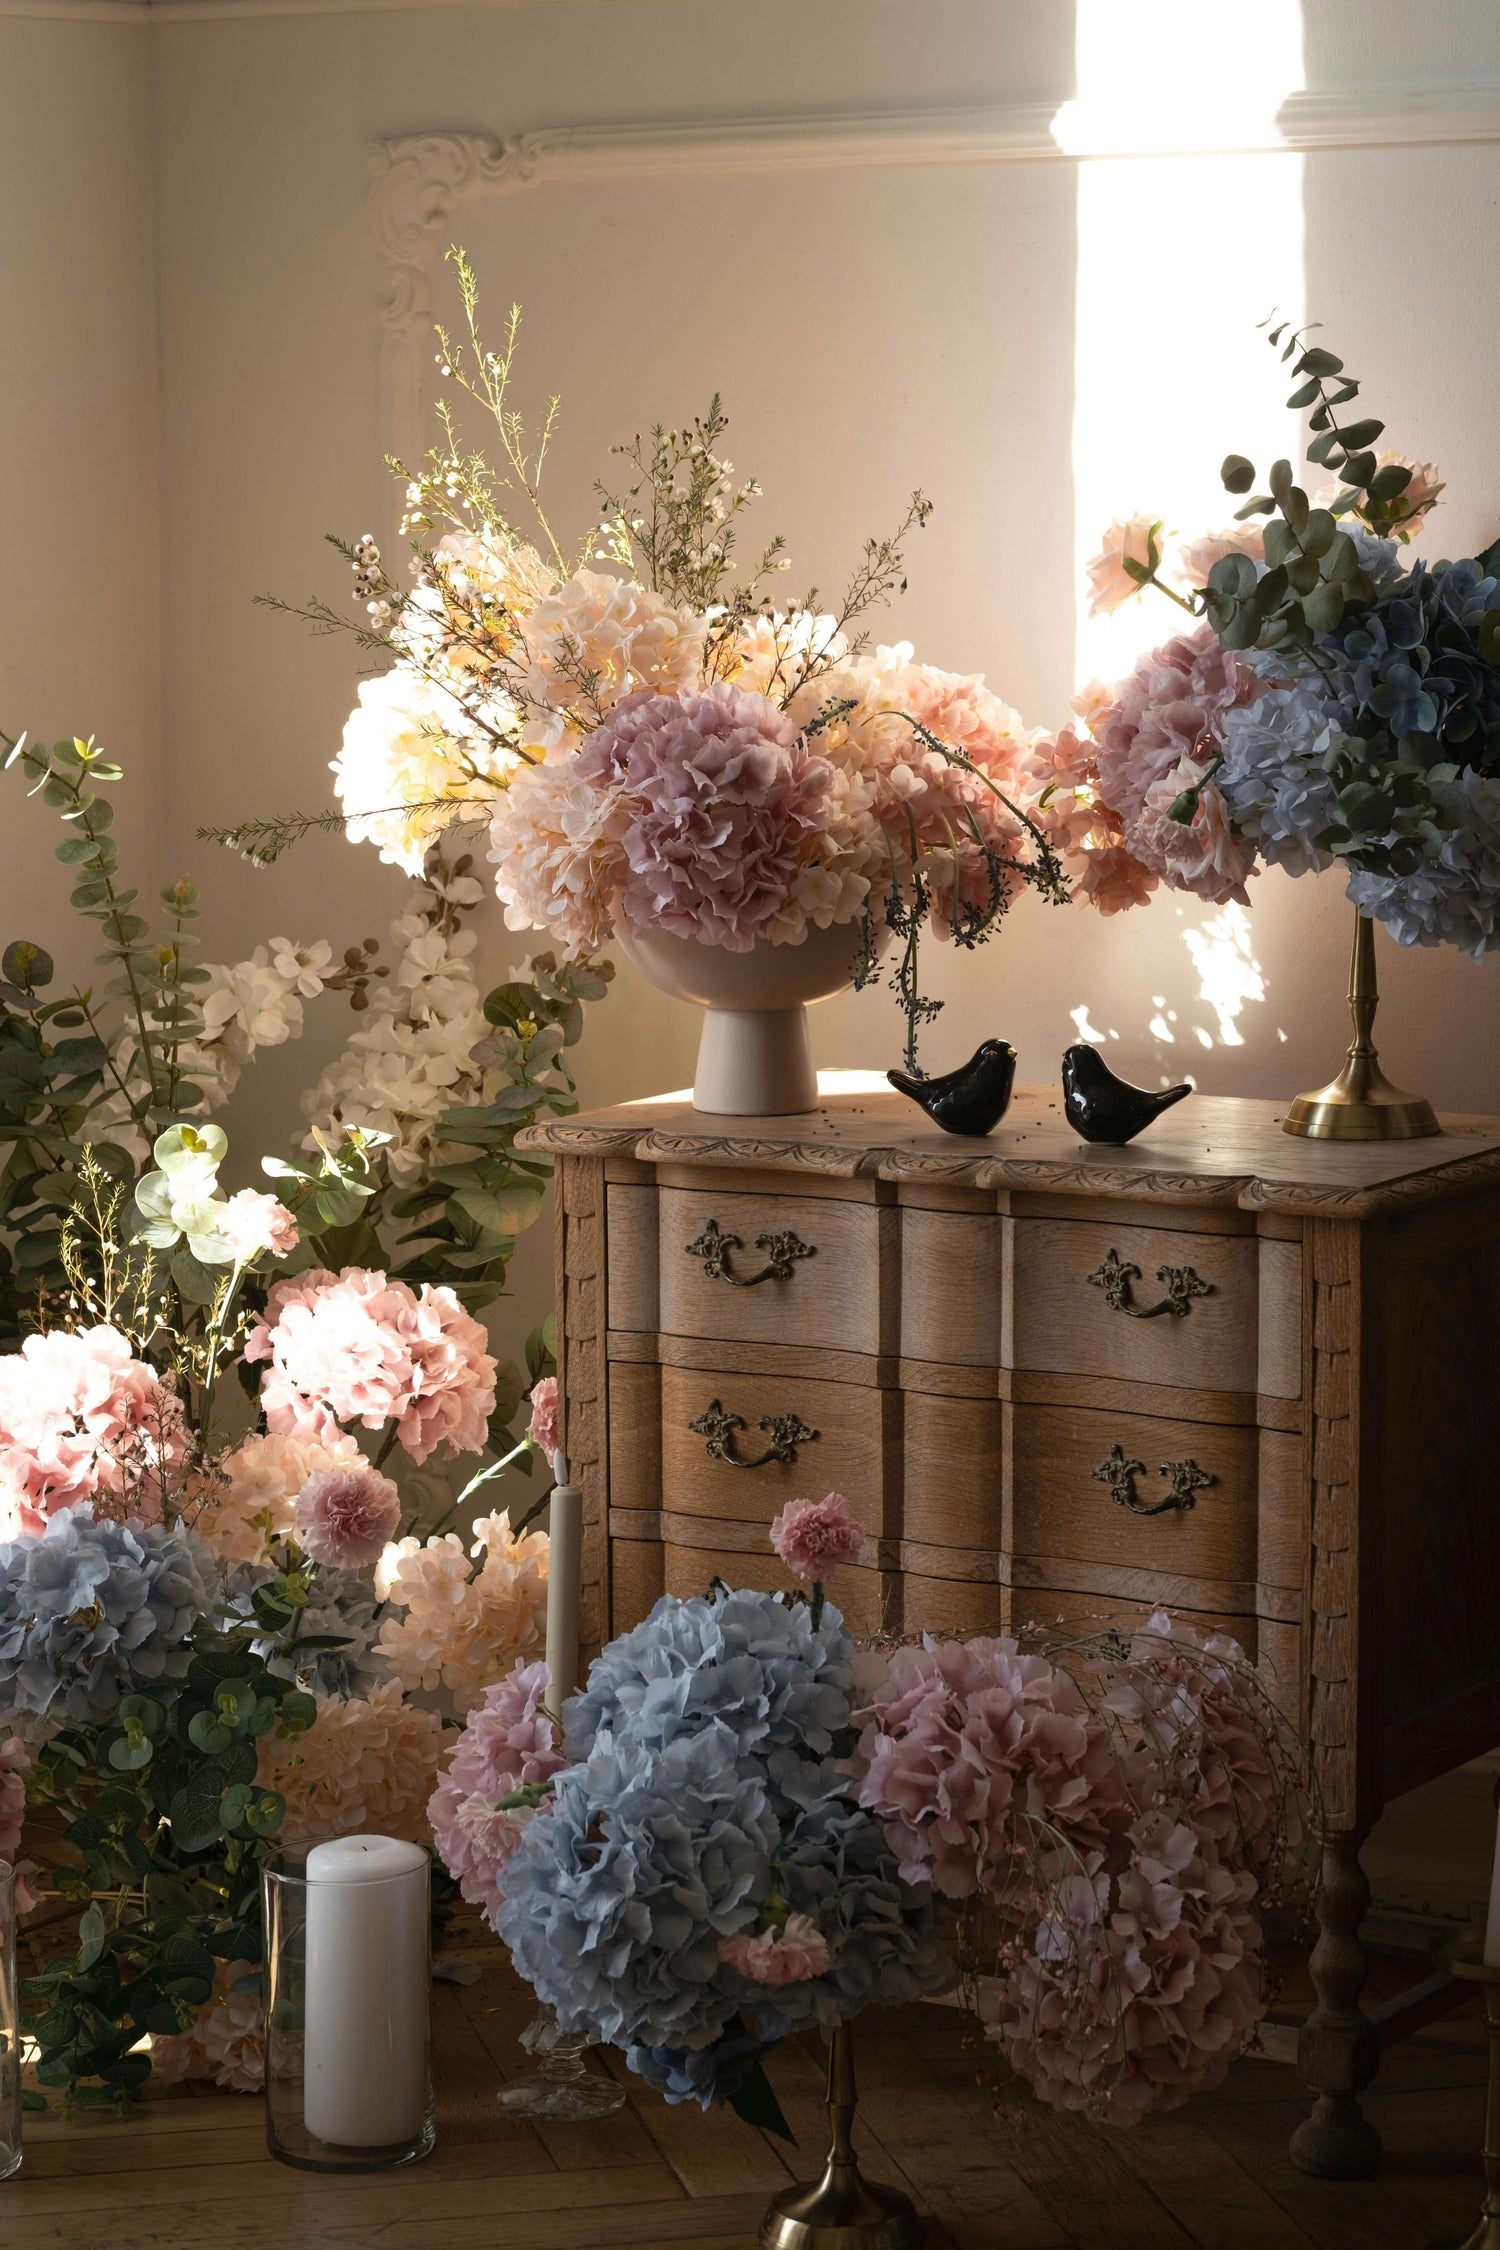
(1212, 1312)
(1187, 1512)
(770, 1270)
(712, 1515)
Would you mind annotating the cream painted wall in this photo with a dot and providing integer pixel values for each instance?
(79, 647)
(872, 328)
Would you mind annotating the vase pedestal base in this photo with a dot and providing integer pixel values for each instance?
(755, 1063)
(842, 2211)
(1361, 1104)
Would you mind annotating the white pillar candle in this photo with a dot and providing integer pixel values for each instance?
(369, 1930)
(564, 1583)
(1492, 1925)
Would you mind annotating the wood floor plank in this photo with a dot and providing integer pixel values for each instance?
(497, 2025)
(716, 2154)
(1216, 2201)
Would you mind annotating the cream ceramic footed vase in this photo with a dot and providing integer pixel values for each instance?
(753, 1055)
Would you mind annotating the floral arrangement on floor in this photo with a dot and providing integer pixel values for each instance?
(210, 1646)
(658, 745)
(1326, 699)
(741, 1828)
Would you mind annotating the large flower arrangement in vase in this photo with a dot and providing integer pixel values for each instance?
(743, 1828)
(749, 797)
(1327, 699)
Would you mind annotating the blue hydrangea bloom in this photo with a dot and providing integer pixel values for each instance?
(616, 1900)
(704, 2075)
(838, 1869)
(754, 1663)
(94, 1610)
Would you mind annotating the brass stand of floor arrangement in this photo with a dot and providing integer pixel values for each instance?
(1361, 1104)
(1464, 1959)
(842, 2210)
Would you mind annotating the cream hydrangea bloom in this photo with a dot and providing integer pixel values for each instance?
(462, 1629)
(617, 635)
(408, 742)
(366, 1764)
(555, 841)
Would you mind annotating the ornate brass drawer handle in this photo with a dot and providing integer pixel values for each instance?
(1120, 1473)
(786, 1432)
(1183, 1285)
(782, 1250)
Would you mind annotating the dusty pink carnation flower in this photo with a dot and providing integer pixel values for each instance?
(358, 1347)
(346, 1516)
(545, 1432)
(251, 1222)
(508, 1741)
(81, 1418)
(725, 801)
(813, 1536)
(800, 1952)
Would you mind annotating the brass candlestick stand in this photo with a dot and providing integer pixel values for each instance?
(842, 2210)
(1361, 1104)
(1464, 1958)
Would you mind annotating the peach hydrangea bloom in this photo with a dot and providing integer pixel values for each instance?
(224, 2041)
(365, 1764)
(459, 1628)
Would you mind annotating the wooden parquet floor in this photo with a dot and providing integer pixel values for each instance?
(191, 2173)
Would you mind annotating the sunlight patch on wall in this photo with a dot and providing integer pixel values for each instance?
(1179, 257)
(1228, 973)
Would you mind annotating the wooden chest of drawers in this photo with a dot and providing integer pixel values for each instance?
(1248, 1377)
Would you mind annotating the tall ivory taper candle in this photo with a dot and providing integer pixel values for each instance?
(564, 1577)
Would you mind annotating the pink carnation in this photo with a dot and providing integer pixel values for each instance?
(725, 804)
(813, 1536)
(346, 1516)
(358, 1347)
(508, 1741)
(800, 1952)
(251, 1222)
(81, 1418)
(546, 1433)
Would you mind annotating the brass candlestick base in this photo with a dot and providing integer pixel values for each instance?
(1463, 1957)
(842, 2211)
(1361, 1104)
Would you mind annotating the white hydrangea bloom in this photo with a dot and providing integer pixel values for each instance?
(408, 744)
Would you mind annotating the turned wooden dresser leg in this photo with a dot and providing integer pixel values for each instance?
(1337, 2053)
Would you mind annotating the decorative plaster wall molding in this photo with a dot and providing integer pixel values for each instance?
(419, 180)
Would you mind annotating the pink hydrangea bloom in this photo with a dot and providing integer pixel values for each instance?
(813, 1536)
(545, 1431)
(725, 803)
(346, 1516)
(1173, 701)
(800, 1952)
(224, 2042)
(81, 1418)
(251, 1222)
(965, 1737)
(508, 1741)
(357, 1347)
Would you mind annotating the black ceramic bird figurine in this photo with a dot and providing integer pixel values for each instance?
(1102, 1107)
(972, 1100)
